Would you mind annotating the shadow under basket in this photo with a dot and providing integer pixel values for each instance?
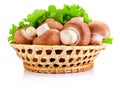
(58, 58)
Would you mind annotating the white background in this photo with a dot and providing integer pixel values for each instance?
(102, 81)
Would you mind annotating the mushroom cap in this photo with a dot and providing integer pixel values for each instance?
(100, 28)
(83, 31)
(78, 18)
(20, 38)
(50, 37)
(53, 24)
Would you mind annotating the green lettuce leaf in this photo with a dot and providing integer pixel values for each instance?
(108, 40)
(12, 32)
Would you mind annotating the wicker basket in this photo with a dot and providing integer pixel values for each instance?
(57, 59)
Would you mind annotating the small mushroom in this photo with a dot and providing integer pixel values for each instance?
(53, 24)
(99, 31)
(50, 37)
(75, 32)
(25, 35)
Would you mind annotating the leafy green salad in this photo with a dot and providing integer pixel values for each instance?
(62, 15)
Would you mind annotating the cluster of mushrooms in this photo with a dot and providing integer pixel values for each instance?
(74, 32)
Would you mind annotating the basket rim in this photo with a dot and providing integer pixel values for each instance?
(30, 45)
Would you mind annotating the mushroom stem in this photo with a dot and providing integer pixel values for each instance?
(69, 36)
(43, 28)
(96, 39)
(31, 31)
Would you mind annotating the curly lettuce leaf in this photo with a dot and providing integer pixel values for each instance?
(74, 11)
(67, 12)
(12, 32)
(36, 18)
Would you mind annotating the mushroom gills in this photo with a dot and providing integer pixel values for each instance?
(69, 36)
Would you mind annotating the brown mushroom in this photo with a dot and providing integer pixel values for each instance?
(75, 32)
(25, 35)
(53, 24)
(99, 31)
(50, 37)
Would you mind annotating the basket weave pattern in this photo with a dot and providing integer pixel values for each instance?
(57, 59)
